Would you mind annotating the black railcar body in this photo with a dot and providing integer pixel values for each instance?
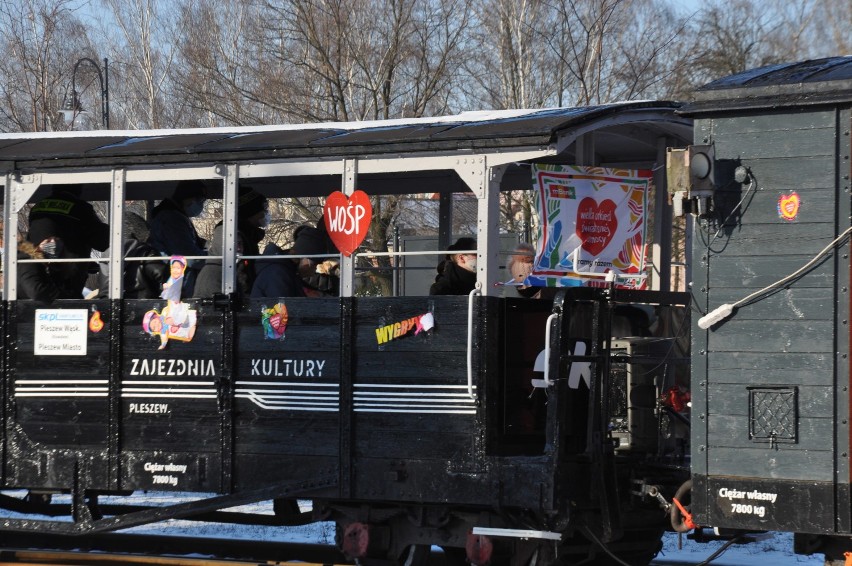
(434, 438)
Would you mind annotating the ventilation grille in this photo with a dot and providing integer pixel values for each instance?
(773, 414)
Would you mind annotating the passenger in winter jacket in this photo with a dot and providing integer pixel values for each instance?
(172, 231)
(76, 220)
(48, 237)
(457, 273)
(142, 279)
(252, 217)
(34, 279)
(46, 282)
(277, 277)
(320, 276)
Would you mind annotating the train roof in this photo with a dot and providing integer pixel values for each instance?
(624, 127)
(825, 81)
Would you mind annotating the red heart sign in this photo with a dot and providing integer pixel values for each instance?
(347, 219)
(596, 224)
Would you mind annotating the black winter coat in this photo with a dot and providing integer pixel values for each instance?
(277, 277)
(453, 280)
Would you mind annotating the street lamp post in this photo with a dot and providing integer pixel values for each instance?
(103, 80)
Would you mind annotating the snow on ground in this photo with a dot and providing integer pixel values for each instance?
(776, 550)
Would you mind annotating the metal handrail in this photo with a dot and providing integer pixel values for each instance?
(470, 302)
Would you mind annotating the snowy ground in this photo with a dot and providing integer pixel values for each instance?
(777, 550)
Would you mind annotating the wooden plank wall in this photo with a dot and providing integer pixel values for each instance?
(786, 339)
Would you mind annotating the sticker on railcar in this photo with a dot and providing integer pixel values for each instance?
(61, 332)
(274, 321)
(421, 323)
(176, 320)
(788, 206)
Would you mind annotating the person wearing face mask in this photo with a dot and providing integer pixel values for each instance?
(252, 218)
(172, 231)
(457, 273)
(81, 227)
(46, 282)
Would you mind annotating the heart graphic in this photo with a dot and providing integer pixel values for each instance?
(596, 224)
(347, 219)
(788, 206)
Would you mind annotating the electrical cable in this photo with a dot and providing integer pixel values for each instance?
(591, 536)
(719, 552)
(724, 311)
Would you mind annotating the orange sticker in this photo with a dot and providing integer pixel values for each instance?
(95, 322)
(788, 206)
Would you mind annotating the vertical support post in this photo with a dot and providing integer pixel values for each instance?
(488, 229)
(445, 220)
(116, 351)
(585, 149)
(229, 228)
(397, 261)
(116, 234)
(688, 231)
(661, 250)
(10, 241)
(347, 264)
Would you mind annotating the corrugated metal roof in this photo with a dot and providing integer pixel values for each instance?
(804, 83)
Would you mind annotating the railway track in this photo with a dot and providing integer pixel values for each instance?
(147, 550)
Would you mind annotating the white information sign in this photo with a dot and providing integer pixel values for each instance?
(61, 332)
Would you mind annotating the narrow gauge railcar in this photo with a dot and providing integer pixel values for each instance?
(405, 442)
(770, 369)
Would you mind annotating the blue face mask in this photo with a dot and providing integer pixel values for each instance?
(194, 208)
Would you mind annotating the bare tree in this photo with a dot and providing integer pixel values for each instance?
(221, 73)
(729, 47)
(38, 43)
(140, 36)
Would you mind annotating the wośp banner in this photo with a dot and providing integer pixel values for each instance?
(592, 223)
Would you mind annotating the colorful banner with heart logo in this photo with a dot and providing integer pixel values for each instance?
(592, 223)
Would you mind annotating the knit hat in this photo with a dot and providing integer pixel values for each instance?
(192, 188)
(42, 229)
(251, 202)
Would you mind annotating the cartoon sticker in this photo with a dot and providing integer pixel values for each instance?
(274, 320)
(424, 322)
(788, 206)
(176, 321)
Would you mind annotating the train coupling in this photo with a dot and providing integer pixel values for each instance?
(642, 489)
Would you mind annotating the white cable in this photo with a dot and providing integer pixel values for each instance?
(722, 312)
